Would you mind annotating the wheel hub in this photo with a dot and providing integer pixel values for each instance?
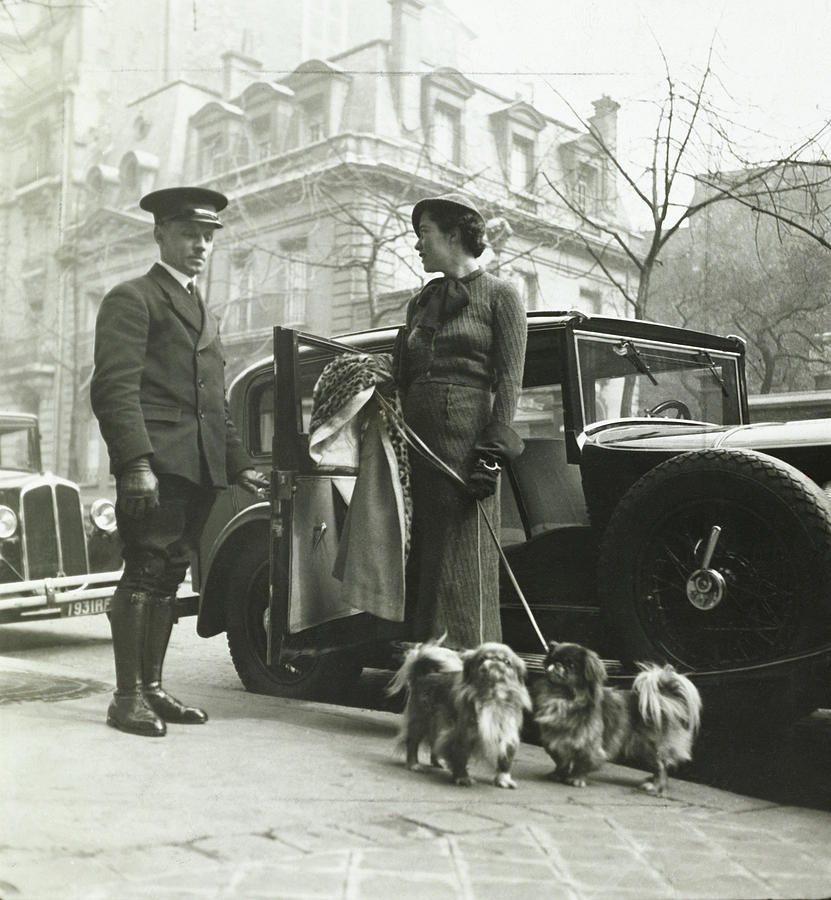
(705, 588)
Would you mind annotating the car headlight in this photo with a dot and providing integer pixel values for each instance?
(8, 523)
(102, 515)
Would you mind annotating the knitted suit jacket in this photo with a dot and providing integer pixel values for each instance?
(158, 385)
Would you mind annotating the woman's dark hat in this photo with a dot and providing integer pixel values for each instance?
(454, 200)
(194, 204)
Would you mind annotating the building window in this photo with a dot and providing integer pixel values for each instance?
(314, 120)
(211, 153)
(522, 163)
(587, 189)
(261, 136)
(447, 133)
(590, 301)
(527, 286)
(294, 286)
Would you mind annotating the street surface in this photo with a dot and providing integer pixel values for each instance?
(279, 798)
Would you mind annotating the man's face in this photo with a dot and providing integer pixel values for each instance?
(185, 245)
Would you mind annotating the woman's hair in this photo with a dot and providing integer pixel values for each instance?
(471, 226)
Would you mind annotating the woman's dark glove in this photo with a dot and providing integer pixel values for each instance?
(138, 488)
(485, 476)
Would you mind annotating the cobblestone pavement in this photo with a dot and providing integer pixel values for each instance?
(287, 799)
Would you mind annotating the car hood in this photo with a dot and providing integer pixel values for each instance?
(652, 434)
(10, 478)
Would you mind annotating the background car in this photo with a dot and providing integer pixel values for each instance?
(46, 569)
(646, 518)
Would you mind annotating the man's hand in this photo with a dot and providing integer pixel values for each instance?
(253, 482)
(138, 488)
(485, 476)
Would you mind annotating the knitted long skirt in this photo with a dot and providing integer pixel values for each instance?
(453, 567)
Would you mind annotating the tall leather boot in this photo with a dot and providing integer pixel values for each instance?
(156, 638)
(128, 710)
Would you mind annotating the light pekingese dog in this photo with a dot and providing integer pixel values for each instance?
(583, 723)
(463, 705)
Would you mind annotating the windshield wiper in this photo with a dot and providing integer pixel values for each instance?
(704, 357)
(631, 352)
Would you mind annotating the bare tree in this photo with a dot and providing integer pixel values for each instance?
(742, 272)
(689, 131)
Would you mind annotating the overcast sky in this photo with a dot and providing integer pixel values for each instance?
(774, 58)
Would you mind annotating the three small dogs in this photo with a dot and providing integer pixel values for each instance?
(472, 704)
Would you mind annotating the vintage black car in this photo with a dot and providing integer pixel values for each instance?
(49, 566)
(646, 518)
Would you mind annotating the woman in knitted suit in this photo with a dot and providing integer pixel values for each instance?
(461, 358)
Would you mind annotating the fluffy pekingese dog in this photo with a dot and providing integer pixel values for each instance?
(583, 723)
(463, 705)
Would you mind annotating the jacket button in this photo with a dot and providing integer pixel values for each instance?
(201, 414)
(201, 382)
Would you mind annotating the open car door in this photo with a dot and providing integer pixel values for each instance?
(317, 642)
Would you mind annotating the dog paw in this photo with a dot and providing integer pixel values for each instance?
(575, 782)
(463, 780)
(651, 788)
(504, 780)
(414, 767)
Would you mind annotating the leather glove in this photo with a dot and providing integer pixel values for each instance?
(485, 476)
(138, 488)
(254, 482)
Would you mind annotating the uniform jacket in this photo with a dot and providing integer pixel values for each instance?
(158, 386)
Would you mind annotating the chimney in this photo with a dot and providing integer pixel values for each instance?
(604, 121)
(405, 60)
(238, 71)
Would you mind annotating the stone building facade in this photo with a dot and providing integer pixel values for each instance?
(323, 122)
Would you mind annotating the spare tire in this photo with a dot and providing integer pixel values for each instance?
(766, 591)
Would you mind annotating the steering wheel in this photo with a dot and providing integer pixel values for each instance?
(678, 405)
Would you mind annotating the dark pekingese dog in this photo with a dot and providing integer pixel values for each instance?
(469, 705)
(583, 723)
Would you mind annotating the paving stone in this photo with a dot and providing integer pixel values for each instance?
(454, 821)
(403, 886)
(508, 869)
(434, 858)
(302, 879)
(523, 890)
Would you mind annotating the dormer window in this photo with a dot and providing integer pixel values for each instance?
(220, 139)
(446, 137)
(522, 168)
(314, 120)
(515, 129)
(261, 134)
(267, 107)
(588, 194)
(320, 91)
(444, 93)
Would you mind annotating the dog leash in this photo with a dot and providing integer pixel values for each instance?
(418, 444)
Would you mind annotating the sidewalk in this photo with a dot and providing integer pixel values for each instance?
(277, 798)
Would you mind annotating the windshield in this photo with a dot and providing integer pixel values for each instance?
(18, 447)
(624, 377)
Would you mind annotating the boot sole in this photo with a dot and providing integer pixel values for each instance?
(140, 731)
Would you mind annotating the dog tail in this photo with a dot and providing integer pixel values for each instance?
(665, 698)
(421, 660)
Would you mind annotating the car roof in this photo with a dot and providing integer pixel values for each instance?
(541, 319)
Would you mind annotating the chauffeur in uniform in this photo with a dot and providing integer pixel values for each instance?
(158, 392)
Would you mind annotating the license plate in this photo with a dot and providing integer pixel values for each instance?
(86, 607)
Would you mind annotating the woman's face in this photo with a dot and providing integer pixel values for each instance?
(436, 249)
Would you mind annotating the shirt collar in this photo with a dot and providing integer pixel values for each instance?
(183, 279)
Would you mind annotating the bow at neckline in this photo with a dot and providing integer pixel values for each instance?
(441, 299)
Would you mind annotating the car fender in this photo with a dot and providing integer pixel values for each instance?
(236, 532)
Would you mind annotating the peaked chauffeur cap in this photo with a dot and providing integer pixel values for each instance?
(194, 204)
(454, 200)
